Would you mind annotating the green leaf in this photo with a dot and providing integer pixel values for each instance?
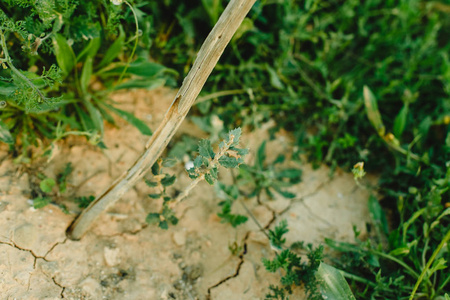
(163, 225)
(377, 214)
(274, 78)
(372, 111)
(147, 83)
(400, 121)
(213, 173)
(95, 116)
(5, 134)
(85, 120)
(342, 246)
(140, 67)
(151, 183)
(276, 235)
(237, 135)
(84, 201)
(439, 264)
(241, 152)
(47, 185)
(90, 50)
(173, 220)
(209, 179)
(285, 194)
(114, 50)
(205, 149)
(86, 74)
(168, 180)
(228, 217)
(401, 251)
(64, 54)
(261, 156)
(152, 218)
(130, 118)
(198, 161)
(228, 162)
(169, 162)
(40, 202)
(6, 89)
(333, 284)
(155, 196)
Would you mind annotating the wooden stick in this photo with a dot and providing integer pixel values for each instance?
(207, 58)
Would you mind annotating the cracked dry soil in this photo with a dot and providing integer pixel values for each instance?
(121, 257)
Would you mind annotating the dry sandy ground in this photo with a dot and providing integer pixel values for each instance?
(122, 258)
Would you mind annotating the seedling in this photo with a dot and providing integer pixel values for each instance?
(205, 167)
(269, 177)
(295, 272)
(47, 187)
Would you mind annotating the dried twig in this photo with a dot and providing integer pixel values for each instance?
(207, 58)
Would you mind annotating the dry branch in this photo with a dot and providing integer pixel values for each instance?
(207, 58)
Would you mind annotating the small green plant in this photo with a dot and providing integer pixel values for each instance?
(160, 181)
(204, 167)
(276, 235)
(54, 54)
(84, 201)
(47, 185)
(294, 271)
(229, 194)
(269, 177)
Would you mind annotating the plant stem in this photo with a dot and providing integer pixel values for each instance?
(362, 280)
(219, 94)
(212, 164)
(187, 190)
(135, 43)
(390, 257)
(253, 218)
(430, 261)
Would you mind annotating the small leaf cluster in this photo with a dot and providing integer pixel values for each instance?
(229, 194)
(276, 235)
(46, 192)
(269, 177)
(295, 272)
(229, 156)
(84, 201)
(160, 181)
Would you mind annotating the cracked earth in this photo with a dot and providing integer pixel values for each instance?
(123, 258)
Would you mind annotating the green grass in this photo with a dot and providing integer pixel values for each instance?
(305, 64)
(354, 81)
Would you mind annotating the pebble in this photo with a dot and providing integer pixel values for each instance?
(112, 256)
(92, 288)
(179, 238)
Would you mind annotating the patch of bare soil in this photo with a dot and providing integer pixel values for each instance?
(123, 258)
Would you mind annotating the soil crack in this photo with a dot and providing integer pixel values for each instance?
(238, 268)
(14, 245)
(313, 193)
(63, 288)
(53, 247)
